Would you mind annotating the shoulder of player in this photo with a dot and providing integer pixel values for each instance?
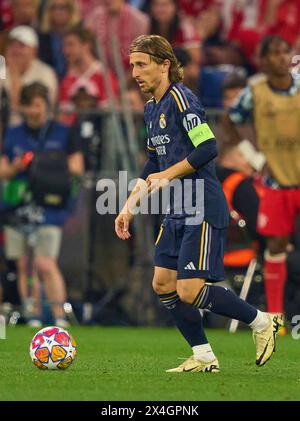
(182, 96)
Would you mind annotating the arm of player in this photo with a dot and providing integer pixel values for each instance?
(199, 157)
(138, 193)
(126, 215)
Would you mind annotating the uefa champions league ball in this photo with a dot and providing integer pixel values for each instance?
(52, 348)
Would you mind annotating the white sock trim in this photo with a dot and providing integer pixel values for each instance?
(203, 353)
(261, 321)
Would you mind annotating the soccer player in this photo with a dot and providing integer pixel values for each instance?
(273, 102)
(187, 256)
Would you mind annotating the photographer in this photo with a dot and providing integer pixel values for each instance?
(39, 162)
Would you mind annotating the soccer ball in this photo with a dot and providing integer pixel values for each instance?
(52, 348)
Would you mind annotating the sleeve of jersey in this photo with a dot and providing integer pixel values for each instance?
(203, 154)
(193, 122)
(242, 107)
(151, 165)
(191, 117)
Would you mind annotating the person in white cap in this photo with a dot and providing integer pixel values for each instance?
(23, 68)
(18, 12)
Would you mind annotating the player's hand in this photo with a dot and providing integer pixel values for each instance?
(157, 181)
(122, 225)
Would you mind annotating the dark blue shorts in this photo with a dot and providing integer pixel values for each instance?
(194, 251)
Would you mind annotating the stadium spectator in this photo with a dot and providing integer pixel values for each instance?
(240, 188)
(87, 126)
(83, 70)
(23, 67)
(190, 67)
(273, 102)
(232, 87)
(23, 12)
(59, 16)
(166, 21)
(205, 15)
(85, 6)
(282, 18)
(85, 97)
(247, 22)
(244, 25)
(115, 18)
(30, 159)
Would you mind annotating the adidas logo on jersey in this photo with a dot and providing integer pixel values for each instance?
(190, 266)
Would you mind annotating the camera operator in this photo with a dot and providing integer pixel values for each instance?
(40, 161)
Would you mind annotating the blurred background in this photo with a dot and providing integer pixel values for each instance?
(78, 49)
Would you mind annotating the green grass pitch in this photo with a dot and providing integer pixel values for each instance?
(129, 364)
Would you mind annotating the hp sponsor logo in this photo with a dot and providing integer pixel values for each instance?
(190, 121)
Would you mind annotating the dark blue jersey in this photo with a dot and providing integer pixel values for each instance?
(176, 125)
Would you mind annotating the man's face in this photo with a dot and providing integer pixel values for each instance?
(163, 10)
(146, 72)
(35, 113)
(24, 11)
(278, 59)
(84, 101)
(60, 12)
(73, 49)
(20, 53)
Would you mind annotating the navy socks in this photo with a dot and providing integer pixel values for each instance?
(187, 318)
(222, 301)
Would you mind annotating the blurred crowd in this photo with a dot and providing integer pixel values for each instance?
(78, 51)
(57, 42)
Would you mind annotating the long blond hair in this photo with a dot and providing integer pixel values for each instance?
(159, 50)
(75, 15)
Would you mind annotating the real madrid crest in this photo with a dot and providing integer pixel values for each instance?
(162, 121)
